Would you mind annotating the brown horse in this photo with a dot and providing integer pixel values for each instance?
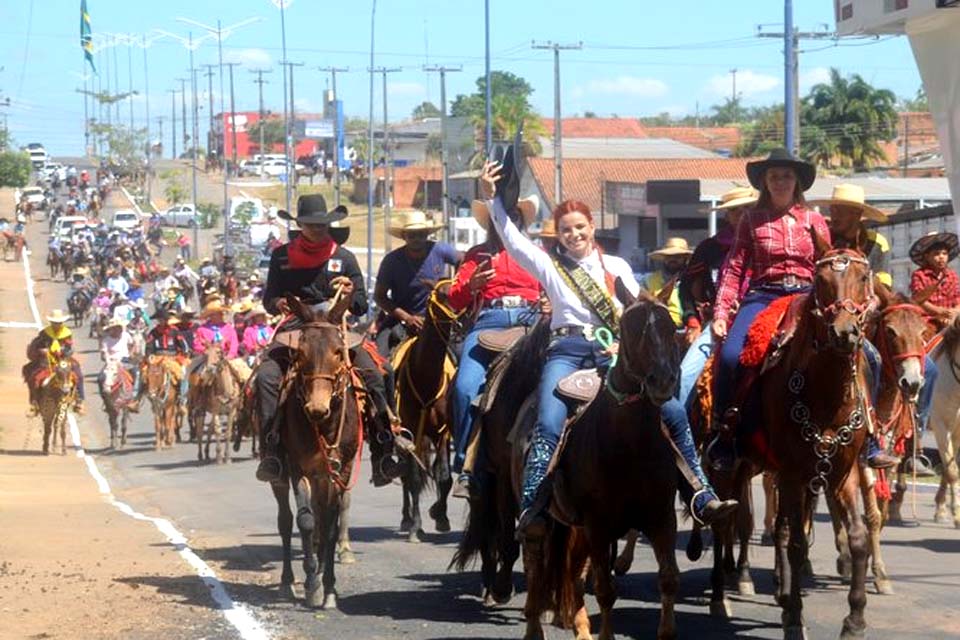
(490, 529)
(814, 444)
(56, 395)
(163, 392)
(218, 388)
(615, 471)
(423, 378)
(320, 430)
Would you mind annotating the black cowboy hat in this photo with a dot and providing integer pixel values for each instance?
(312, 209)
(161, 314)
(511, 171)
(924, 243)
(806, 172)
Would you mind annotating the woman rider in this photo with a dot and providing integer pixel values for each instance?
(504, 296)
(773, 244)
(570, 349)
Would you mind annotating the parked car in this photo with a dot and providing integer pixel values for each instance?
(64, 225)
(276, 168)
(34, 196)
(180, 215)
(249, 168)
(126, 219)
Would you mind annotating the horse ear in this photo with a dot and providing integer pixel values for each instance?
(820, 245)
(623, 294)
(664, 294)
(338, 310)
(924, 294)
(299, 309)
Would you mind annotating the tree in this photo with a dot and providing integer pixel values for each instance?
(15, 169)
(174, 189)
(918, 103)
(852, 116)
(589, 114)
(273, 132)
(509, 106)
(425, 110)
(762, 133)
(729, 112)
(126, 148)
(434, 145)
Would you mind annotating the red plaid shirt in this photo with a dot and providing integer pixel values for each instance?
(947, 293)
(770, 247)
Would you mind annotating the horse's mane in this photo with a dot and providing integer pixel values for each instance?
(951, 338)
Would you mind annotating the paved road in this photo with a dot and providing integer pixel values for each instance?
(398, 589)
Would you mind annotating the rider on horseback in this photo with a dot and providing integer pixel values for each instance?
(115, 352)
(165, 339)
(52, 344)
(314, 266)
(405, 280)
(579, 281)
(257, 334)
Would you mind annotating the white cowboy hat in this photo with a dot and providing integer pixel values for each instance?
(528, 208)
(672, 247)
(115, 321)
(547, 229)
(736, 197)
(414, 221)
(57, 316)
(851, 195)
(258, 310)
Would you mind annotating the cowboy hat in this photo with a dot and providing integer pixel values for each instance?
(258, 310)
(528, 208)
(414, 221)
(806, 172)
(186, 312)
(672, 247)
(851, 195)
(115, 321)
(923, 245)
(547, 229)
(215, 306)
(339, 232)
(242, 306)
(734, 198)
(206, 261)
(312, 209)
(165, 314)
(511, 172)
(57, 316)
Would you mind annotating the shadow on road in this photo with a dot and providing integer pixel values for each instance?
(937, 545)
(21, 452)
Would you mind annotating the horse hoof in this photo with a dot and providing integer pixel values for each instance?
(346, 557)
(795, 633)
(488, 600)
(443, 525)
(956, 524)
(288, 592)
(414, 536)
(63, 451)
(884, 587)
(746, 588)
(849, 632)
(314, 599)
(330, 602)
(721, 609)
(940, 516)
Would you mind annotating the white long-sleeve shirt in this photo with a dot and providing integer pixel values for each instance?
(115, 348)
(568, 310)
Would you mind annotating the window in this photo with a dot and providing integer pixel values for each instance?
(889, 6)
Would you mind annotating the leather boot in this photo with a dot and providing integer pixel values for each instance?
(270, 467)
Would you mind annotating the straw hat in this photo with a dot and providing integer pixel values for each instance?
(672, 247)
(414, 221)
(851, 195)
(243, 306)
(258, 310)
(216, 306)
(547, 229)
(806, 172)
(115, 321)
(736, 197)
(923, 245)
(528, 208)
(57, 316)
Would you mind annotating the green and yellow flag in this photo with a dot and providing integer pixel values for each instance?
(86, 35)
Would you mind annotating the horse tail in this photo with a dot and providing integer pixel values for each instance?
(566, 564)
(478, 531)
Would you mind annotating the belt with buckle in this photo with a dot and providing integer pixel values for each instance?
(787, 282)
(506, 302)
(573, 330)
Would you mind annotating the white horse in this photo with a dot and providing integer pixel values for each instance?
(945, 421)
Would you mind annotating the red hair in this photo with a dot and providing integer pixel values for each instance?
(570, 206)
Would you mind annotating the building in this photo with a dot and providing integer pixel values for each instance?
(248, 145)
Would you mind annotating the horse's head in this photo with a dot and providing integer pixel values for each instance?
(439, 311)
(842, 294)
(649, 357)
(900, 338)
(63, 375)
(322, 367)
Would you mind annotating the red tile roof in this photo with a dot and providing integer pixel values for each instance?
(582, 178)
(598, 128)
(413, 172)
(711, 138)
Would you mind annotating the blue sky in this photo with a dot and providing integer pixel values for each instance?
(638, 58)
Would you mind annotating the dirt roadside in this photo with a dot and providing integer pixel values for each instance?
(71, 565)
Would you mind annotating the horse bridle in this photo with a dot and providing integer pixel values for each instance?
(619, 395)
(840, 263)
(906, 355)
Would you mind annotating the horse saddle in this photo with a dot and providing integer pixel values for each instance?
(291, 339)
(581, 386)
(771, 331)
(499, 340)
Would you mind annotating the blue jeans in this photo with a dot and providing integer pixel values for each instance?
(472, 373)
(694, 360)
(565, 355)
(674, 417)
(930, 373)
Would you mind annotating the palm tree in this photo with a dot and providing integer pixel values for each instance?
(847, 119)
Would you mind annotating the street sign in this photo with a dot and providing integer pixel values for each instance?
(319, 129)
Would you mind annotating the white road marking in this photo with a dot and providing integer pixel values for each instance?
(20, 325)
(30, 296)
(237, 615)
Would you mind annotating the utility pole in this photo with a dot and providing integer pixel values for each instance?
(444, 197)
(173, 121)
(196, 135)
(291, 124)
(487, 90)
(906, 143)
(557, 120)
(211, 135)
(160, 120)
(183, 106)
(260, 81)
(733, 96)
(130, 81)
(387, 163)
(233, 119)
(336, 130)
(791, 66)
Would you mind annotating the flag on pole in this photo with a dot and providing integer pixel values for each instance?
(86, 35)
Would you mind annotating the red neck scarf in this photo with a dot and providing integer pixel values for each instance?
(304, 254)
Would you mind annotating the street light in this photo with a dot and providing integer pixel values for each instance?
(282, 5)
(145, 43)
(370, 183)
(221, 32)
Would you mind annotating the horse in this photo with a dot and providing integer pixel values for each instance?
(57, 393)
(162, 390)
(615, 470)
(422, 380)
(218, 388)
(118, 393)
(815, 443)
(12, 244)
(78, 303)
(320, 426)
(490, 528)
(53, 263)
(944, 421)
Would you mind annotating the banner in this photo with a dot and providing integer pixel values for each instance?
(86, 35)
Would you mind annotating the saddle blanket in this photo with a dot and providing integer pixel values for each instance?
(762, 331)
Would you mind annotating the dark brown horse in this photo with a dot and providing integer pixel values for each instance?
(812, 427)
(615, 472)
(423, 378)
(320, 426)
